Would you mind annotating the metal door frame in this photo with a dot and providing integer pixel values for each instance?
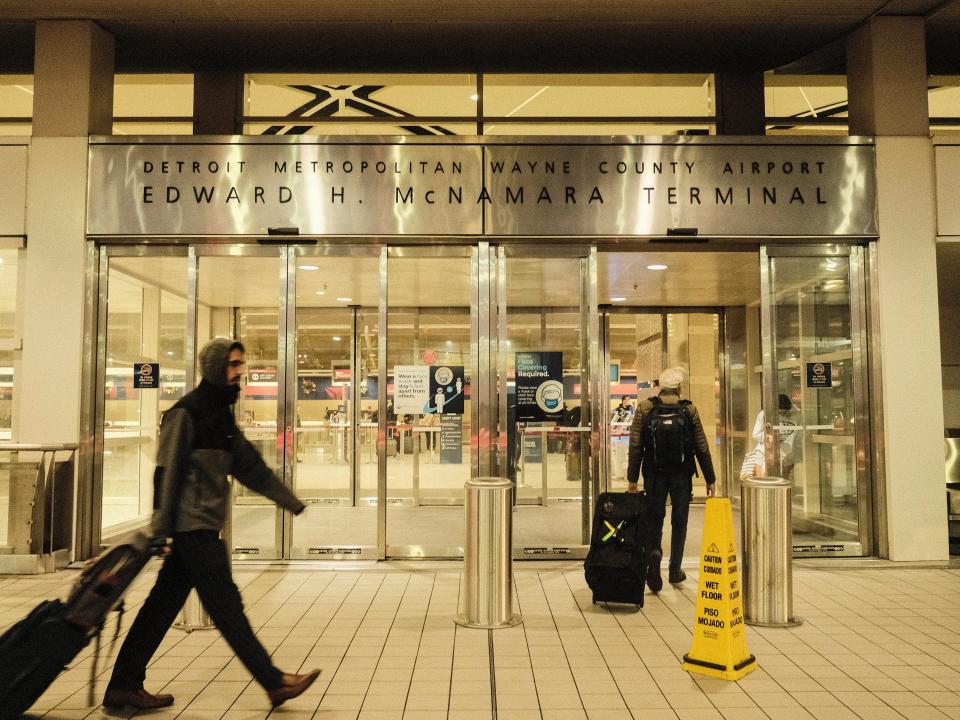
(858, 287)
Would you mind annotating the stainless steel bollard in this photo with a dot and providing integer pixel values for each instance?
(488, 551)
(767, 552)
(193, 615)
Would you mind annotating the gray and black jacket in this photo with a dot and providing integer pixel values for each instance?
(636, 450)
(200, 445)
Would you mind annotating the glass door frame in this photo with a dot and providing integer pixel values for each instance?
(592, 385)
(858, 285)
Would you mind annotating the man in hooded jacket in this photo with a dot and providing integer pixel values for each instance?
(200, 445)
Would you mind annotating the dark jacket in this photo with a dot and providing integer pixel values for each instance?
(200, 445)
(636, 453)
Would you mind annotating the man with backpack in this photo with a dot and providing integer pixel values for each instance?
(665, 437)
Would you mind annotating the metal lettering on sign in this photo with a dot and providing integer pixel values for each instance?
(319, 189)
(707, 190)
(651, 187)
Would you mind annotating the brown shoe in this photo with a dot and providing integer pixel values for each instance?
(291, 686)
(116, 698)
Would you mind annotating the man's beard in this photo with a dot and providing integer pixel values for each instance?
(233, 392)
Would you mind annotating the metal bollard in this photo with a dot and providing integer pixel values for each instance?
(193, 615)
(488, 561)
(767, 552)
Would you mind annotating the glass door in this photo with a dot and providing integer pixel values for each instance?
(428, 424)
(815, 423)
(240, 291)
(544, 337)
(333, 373)
(143, 364)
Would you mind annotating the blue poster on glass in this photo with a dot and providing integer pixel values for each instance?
(539, 383)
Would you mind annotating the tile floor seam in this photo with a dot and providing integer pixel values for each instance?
(593, 635)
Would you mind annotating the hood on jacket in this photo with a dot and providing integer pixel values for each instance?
(213, 359)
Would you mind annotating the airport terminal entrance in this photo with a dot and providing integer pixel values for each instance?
(381, 377)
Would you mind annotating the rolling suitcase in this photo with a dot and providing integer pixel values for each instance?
(616, 564)
(35, 650)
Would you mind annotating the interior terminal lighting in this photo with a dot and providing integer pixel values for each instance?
(617, 299)
(657, 266)
(344, 299)
(336, 338)
(308, 267)
(474, 97)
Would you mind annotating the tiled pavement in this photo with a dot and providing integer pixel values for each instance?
(878, 642)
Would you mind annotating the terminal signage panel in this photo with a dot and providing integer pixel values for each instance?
(320, 189)
(651, 187)
(709, 190)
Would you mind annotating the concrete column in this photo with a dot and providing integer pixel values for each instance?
(888, 98)
(887, 78)
(740, 103)
(217, 103)
(73, 98)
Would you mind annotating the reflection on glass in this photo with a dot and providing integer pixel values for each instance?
(146, 323)
(428, 453)
(238, 297)
(815, 415)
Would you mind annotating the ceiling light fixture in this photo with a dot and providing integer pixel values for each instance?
(617, 299)
(344, 299)
(336, 338)
(657, 266)
(308, 267)
(474, 97)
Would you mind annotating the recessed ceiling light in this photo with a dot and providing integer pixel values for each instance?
(336, 338)
(474, 97)
(344, 299)
(449, 342)
(617, 299)
(308, 267)
(658, 266)
(321, 292)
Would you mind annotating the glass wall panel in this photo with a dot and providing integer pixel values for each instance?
(352, 95)
(337, 333)
(8, 327)
(612, 95)
(428, 423)
(239, 297)
(16, 104)
(587, 128)
(146, 323)
(144, 96)
(815, 387)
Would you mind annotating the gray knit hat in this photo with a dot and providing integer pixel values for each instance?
(213, 359)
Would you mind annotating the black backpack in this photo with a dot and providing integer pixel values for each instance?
(668, 437)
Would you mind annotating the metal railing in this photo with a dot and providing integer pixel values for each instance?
(39, 480)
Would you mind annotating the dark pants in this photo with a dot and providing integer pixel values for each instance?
(678, 486)
(199, 560)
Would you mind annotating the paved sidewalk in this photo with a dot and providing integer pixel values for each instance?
(877, 643)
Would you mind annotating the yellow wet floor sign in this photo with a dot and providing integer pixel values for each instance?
(719, 638)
